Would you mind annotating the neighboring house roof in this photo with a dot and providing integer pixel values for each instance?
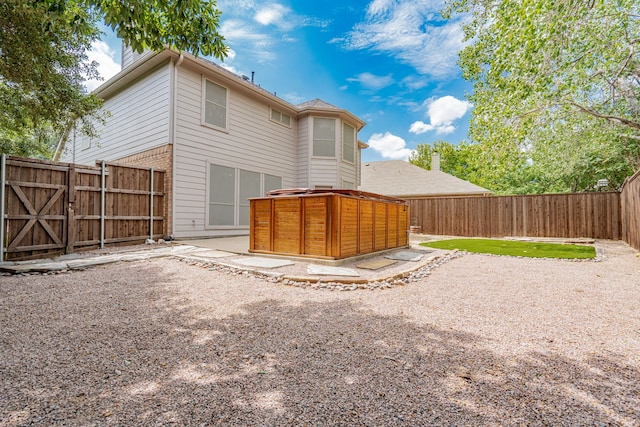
(401, 179)
(149, 60)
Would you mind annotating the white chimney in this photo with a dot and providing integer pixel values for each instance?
(435, 161)
(129, 56)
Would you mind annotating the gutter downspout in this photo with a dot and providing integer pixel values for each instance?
(174, 132)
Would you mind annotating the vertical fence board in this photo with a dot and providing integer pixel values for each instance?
(591, 215)
(366, 221)
(54, 208)
(630, 211)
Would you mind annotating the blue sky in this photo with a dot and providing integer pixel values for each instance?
(393, 63)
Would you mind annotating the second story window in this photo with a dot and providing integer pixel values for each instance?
(348, 143)
(324, 137)
(215, 105)
(280, 117)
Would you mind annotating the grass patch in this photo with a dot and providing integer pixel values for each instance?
(516, 248)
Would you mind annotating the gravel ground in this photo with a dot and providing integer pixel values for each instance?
(483, 340)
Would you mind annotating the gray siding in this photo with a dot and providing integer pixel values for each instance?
(348, 173)
(252, 142)
(324, 172)
(304, 144)
(138, 120)
(129, 56)
(358, 165)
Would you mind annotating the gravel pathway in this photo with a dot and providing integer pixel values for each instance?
(482, 340)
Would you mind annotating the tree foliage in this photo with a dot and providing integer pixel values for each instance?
(457, 160)
(43, 57)
(556, 91)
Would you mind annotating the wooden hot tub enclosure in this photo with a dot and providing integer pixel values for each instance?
(330, 224)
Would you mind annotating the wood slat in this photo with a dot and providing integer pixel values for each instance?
(630, 211)
(57, 205)
(327, 225)
(589, 215)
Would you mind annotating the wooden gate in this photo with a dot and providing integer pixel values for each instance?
(36, 203)
(54, 208)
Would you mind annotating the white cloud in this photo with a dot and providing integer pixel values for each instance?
(228, 67)
(371, 81)
(389, 146)
(241, 6)
(377, 6)
(422, 127)
(447, 109)
(293, 98)
(415, 82)
(274, 14)
(244, 35)
(442, 113)
(238, 30)
(258, 28)
(412, 31)
(107, 66)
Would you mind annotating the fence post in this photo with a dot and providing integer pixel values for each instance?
(102, 202)
(71, 221)
(151, 208)
(3, 168)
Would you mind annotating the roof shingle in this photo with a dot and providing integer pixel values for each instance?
(398, 178)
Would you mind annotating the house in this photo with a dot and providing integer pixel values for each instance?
(221, 138)
(404, 180)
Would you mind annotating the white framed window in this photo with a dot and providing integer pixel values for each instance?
(271, 182)
(280, 117)
(229, 191)
(86, 141)
(348, 185)
(324, 137)
(222, 200)
(215, 101)
(249, 187)
(348, 143)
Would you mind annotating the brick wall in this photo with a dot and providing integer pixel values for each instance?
(157, 158)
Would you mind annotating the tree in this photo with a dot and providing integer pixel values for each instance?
(43, 57)
(457, 160)
(553, 78)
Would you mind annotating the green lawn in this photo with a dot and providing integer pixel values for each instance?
(516, 248)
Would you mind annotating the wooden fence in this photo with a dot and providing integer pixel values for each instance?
(630, 211)
(51, 208)
(592, 215)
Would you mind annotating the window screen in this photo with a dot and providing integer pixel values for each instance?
(324, 137)
(272, 182)
(348, 143)
(222, 184)
(249, 187)
(215, 105)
